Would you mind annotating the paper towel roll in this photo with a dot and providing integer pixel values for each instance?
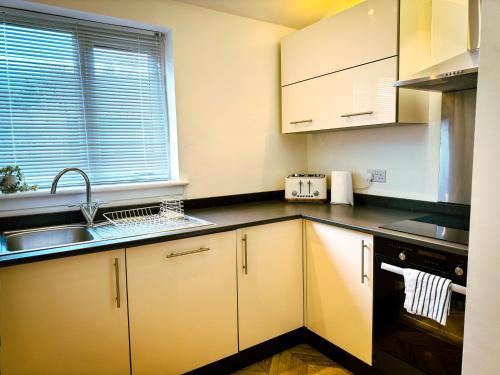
(342, 188)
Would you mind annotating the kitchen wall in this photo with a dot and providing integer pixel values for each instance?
(482, 325)
(228, 106)
(227, 94)
(409, 153)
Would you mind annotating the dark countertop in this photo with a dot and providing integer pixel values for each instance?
(363, 218)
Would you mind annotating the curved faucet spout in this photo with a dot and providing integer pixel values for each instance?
(89, 209)
(53, 189)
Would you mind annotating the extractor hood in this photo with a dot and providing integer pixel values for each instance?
(457, 73)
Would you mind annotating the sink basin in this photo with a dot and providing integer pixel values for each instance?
(45, 238)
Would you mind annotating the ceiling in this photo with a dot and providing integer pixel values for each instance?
(292, 13)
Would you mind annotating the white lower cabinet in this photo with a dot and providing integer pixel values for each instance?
(339, 299)
(270, 281)
(62, 316)
(182, 303)
(190, 302)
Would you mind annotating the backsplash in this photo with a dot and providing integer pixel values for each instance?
(408, 153)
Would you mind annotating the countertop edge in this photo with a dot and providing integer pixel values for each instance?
(10, 259)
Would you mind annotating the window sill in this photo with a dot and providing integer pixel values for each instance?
(96, 189)
(35, 202)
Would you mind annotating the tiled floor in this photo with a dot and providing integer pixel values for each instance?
(300, 360)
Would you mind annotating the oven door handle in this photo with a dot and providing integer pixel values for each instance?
(398, 270)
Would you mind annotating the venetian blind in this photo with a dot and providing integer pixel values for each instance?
(81, 94)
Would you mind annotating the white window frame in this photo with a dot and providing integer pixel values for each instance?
(116, 194)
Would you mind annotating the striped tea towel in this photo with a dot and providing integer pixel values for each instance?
(427, 295)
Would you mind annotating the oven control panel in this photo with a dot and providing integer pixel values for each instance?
(406, 255)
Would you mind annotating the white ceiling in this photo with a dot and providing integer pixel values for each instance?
(292, 13)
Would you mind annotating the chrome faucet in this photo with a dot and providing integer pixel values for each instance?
(88, 209)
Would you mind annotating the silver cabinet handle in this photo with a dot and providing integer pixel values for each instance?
(117, 283)
(300, 122)
(363, 275)
(245, 259)
(357, 114)
(201, 249)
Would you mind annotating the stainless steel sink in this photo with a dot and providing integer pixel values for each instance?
(46, 238)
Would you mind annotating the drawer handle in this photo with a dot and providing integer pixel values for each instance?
(200, 250)
(117, 283)
(357, 114)
(363, 274)
(245, 254)
(300, 121)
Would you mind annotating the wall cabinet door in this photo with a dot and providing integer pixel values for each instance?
(355, 97)
(61, 316)
(270, 281)
(338, 300)
(183, 304)
(362, 34)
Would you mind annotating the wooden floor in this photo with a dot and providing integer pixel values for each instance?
(300, 360)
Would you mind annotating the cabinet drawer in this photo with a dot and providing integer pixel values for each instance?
(354, 97)
(362, 34)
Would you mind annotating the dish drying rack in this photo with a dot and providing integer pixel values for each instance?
(170, 213)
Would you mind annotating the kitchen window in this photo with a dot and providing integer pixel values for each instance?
(82, 94)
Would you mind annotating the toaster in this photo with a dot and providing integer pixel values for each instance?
(305, 188)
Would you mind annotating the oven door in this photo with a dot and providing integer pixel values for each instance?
(411, 344)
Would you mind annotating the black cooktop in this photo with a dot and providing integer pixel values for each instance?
(442, 227)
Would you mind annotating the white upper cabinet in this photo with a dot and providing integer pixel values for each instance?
(362, 34)
(340, 72)
(354, 97)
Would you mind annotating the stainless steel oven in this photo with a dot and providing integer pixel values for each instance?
(409, 344)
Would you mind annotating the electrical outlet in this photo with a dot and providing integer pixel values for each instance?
(378, 175)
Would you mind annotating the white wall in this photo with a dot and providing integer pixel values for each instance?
(227, 93)
(228, 108)
(482, 315)
(410, 154)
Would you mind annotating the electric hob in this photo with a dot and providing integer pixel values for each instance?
(438, 226)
